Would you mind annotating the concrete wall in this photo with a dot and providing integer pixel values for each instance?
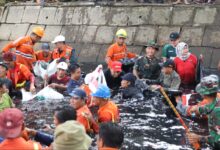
(90, 29)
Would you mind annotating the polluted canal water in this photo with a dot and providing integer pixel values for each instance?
(148, 124)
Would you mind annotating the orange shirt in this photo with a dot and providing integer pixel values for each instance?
(23, 49)
(65, 53)
(19, 74)
(19, 144)
(84, 121)
(108, 113)
(40, 56)
(88, 94)
(116, 52)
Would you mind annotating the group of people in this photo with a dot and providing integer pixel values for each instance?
(176, 70)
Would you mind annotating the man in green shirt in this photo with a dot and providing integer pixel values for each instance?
(208, 88)
(169, 50)
(147, 67)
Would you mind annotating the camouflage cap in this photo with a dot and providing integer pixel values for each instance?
(152, 44)
(208, 85)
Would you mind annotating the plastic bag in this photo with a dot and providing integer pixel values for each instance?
(26, 96)
(42, 68)
(95, 78)
(49, 93)
(46, 93)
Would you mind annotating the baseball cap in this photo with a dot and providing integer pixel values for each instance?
(78, 93)
(169, 63)
(4, 65)
(174, 36)
(129, 77)
(116, 66)
(58, 38)
(45, 46)
(9, 56)
(11, 121)
(152, 44)
(62, 65)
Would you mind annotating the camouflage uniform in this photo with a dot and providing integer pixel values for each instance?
(213, 112)
(209, 85)
(148, 68)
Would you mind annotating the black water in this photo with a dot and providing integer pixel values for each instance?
(148, 124)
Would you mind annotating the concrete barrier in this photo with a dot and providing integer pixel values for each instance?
(91, 28)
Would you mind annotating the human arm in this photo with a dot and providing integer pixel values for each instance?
(58, 86)
(109, 55)
(13, 44)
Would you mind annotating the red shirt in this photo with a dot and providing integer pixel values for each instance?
(186, 69)
(63, 81)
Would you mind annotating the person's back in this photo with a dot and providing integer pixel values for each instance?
(19, 144)
(108, 112)
(11, 125)
(5, 102)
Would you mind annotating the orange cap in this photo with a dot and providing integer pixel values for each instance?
(39, 31)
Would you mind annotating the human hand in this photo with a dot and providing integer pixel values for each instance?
(31, 132)
(32, 88)
(47, 127)
(53, 85)
(193, 138)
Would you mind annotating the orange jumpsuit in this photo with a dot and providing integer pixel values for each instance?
(108, 113)
(19, 143)
(84, 121)
(19, 74)
(66, 53)
(116, 52)
(24, 51)
(39, 56)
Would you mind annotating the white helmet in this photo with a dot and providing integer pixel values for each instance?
(59, 38)
(62, 65)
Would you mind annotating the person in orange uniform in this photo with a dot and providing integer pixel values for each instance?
(18, 73)
(11, 126)
(108, 111)
(61, 50)
(118, 50)
(78, 102)
(24, 47)
(44, 54)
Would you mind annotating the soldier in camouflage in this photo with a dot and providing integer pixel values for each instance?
(208, 88)
(147, 67)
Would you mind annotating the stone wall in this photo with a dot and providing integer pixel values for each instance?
(91, 28)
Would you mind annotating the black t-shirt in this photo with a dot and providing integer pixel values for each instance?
(113, 83)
